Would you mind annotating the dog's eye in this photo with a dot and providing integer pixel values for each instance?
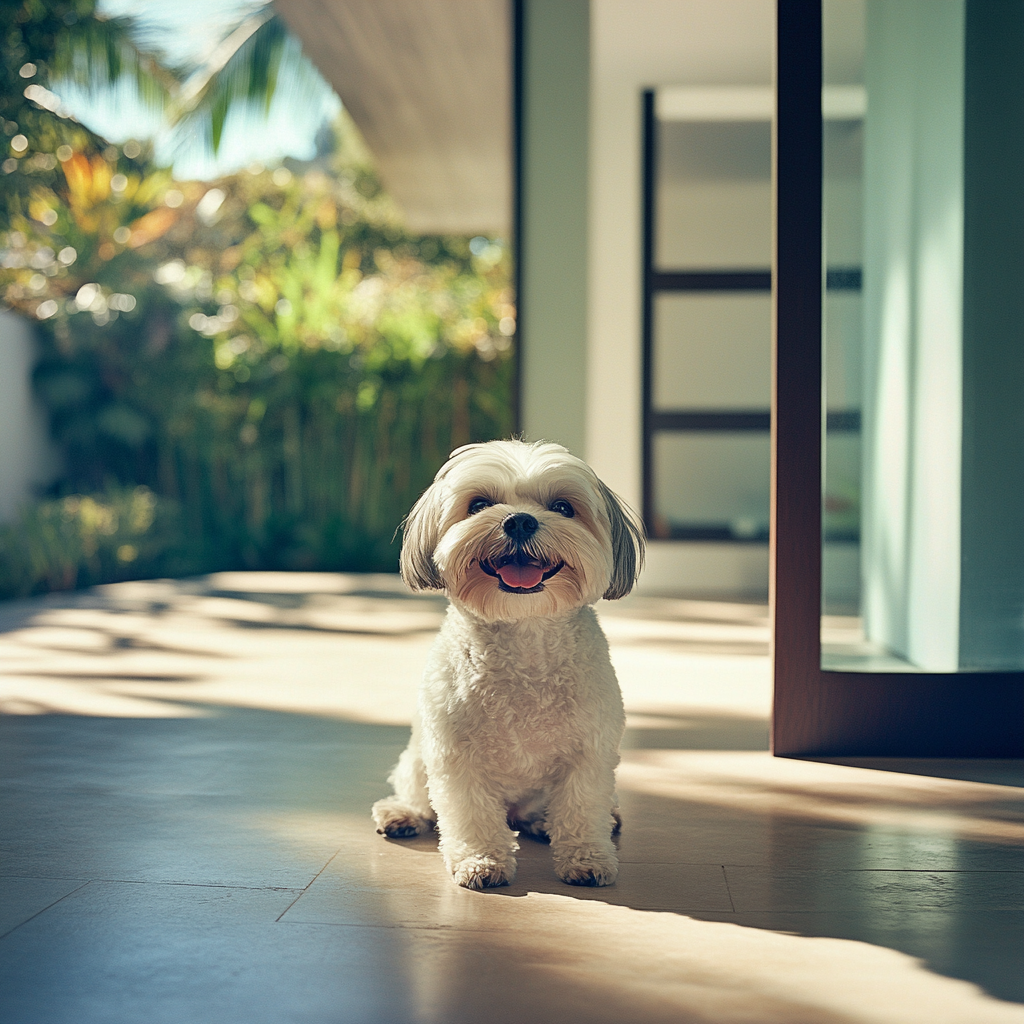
(479, 504)
(563, 508)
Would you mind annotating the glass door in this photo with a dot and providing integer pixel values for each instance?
(897, 539)
(923, 524)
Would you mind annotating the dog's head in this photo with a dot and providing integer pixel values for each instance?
(515, 530)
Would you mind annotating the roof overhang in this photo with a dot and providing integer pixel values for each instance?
(429, 84)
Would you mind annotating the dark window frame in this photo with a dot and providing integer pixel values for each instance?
(658, 281)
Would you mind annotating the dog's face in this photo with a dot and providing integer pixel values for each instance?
(514, 530)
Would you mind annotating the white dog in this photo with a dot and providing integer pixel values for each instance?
(520, 713)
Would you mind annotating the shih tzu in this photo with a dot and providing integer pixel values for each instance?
(520, 714)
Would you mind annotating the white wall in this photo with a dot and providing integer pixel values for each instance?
(27, 458)
(636, 45)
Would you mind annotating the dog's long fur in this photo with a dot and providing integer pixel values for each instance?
(520, 714)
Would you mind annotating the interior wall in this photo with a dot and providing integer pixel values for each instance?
(636, 46)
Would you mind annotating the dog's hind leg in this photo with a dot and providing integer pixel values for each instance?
(408, 812)
(528, 816)
(616, 820)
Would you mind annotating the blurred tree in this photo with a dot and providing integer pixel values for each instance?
(255, 62)
(42, 43)
(271, 355)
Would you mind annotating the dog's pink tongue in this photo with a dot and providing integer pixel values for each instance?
(525, 577)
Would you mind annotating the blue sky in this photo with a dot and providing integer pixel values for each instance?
(186, 31)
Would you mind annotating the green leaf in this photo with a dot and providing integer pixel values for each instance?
(246, 70)
(97, 51)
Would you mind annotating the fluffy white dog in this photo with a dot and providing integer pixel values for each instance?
(520, 714)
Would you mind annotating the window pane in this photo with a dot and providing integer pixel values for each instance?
(844, 349)
(711, 484)
(842, 312)
(712, 351)
(841, 520)
(713, 197)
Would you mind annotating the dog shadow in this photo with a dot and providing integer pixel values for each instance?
(535, 874)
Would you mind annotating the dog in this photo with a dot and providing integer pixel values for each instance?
(519, 713)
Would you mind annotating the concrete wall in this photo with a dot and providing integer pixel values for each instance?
(28, 461)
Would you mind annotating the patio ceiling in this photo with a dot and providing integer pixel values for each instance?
(428, 82)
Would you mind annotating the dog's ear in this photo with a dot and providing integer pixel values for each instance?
(627, 544)
(420, 534)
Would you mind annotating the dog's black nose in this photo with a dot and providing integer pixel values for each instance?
(520, 527)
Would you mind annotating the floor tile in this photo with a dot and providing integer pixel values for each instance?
(682, 888)
(667, 832)
(229, 735)
(550, 957)
(185, 800)
(405, 883)
(760, 889)
(116, 952)
(980, 945)
(23, 898)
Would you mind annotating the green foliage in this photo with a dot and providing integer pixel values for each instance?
(40, 44)
(258, 60)
(270, 360)
(273, 354)
(80, 539)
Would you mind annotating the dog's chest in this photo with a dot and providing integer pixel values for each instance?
(525, 699)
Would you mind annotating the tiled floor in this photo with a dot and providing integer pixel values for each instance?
(187, 770)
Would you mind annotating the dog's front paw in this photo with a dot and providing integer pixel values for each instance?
(397, 821)
(480, 871)
(587, 867)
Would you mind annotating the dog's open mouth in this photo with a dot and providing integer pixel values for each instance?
(517, 574)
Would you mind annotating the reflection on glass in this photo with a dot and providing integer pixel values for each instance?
(843, 139)
(715, 486)
(712, 350)
(923, 561)
(709, 296)
(714, 207)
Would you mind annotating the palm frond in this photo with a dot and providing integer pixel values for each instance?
(249, 68)
(100, 51)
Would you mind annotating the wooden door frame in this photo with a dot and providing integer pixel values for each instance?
(818, 712)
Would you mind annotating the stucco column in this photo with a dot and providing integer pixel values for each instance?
(553, 244)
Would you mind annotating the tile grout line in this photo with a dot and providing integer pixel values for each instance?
(795, 872)
(163, 881)
(305, 889)
(199, 885)
(728, 891)
(45, 909)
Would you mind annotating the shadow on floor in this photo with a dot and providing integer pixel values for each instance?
(995, 771)
(262, 800)
(696, 732)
